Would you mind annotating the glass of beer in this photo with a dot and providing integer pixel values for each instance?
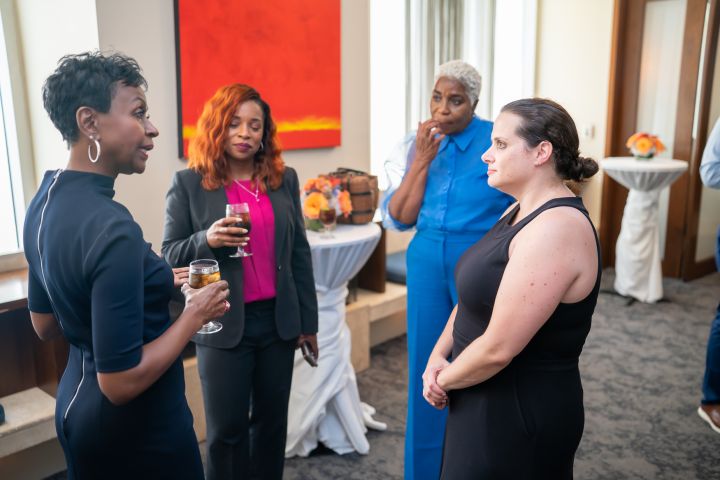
(204, 272)
(241, 211)
(327, 217)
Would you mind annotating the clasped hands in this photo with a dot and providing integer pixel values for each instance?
(432, 392)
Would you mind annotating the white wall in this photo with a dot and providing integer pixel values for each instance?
(573, 55)
(49, 29)
(145, 30)
(573, 68)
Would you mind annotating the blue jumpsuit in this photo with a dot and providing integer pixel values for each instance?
(89, 265)
(458, 208)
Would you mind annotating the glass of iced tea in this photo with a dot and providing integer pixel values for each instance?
(241, 211)
(204, 272)
(327, 217)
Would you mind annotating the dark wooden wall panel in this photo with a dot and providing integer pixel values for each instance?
(682, 150)
(683, 208)
(17, 359)
(628, 25)
(25, 360)
(690, 268)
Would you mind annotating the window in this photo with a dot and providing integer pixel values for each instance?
(387, 81)
(12, 187)
(409, 39)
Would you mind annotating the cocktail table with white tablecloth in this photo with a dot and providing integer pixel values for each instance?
(638, 269)
(324, 401)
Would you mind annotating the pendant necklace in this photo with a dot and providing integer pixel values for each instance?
(255, 194)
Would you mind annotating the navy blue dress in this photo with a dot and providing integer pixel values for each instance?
(88, 263)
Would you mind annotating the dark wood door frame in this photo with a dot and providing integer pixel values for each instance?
(690, 268)
(628, 22)
(683, 208)
(677, 221)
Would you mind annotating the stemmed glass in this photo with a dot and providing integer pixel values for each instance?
(327, 217)
(204, 272)
(242, 211)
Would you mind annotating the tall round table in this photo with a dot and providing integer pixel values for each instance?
(324, 401)
(638, 269)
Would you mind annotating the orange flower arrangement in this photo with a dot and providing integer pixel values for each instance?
(644, 145)
(319, 195)
(345, 203)
(322, 184)
(314, 202)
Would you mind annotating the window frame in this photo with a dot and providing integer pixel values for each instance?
(17, 131)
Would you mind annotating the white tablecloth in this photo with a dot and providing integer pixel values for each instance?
(324, 401)
(638, 269)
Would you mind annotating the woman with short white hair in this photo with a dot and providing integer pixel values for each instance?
(445, 195)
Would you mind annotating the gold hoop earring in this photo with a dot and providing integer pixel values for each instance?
(97, 148)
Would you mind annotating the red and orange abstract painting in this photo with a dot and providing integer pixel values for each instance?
(289, 50)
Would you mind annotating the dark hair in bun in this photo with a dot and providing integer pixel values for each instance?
(545, 120)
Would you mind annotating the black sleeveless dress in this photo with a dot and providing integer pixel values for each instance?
(526, 421)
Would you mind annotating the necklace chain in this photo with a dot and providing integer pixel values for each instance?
(255, 194)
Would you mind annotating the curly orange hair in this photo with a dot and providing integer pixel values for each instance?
(206, 151)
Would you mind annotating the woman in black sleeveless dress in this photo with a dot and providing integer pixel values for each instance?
(526, 295)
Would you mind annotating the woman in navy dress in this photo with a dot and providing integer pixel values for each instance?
(121, 410)
(526, 294)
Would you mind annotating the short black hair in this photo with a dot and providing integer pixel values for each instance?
(88, 79)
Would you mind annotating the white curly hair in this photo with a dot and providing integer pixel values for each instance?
(464, 73)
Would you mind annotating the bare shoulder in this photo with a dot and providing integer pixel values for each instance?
(560, 224)
(560, 235)
(560, 240)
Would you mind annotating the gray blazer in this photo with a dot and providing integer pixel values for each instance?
(189, 212)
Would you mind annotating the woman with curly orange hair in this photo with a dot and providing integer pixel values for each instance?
(235, 158)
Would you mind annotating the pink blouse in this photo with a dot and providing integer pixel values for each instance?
(259, 268)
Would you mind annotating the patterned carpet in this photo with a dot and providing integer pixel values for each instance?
(641, 367)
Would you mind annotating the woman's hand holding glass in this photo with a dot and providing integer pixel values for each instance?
(206, 303)
(240, 212)
(224, 233)
(204, 272)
